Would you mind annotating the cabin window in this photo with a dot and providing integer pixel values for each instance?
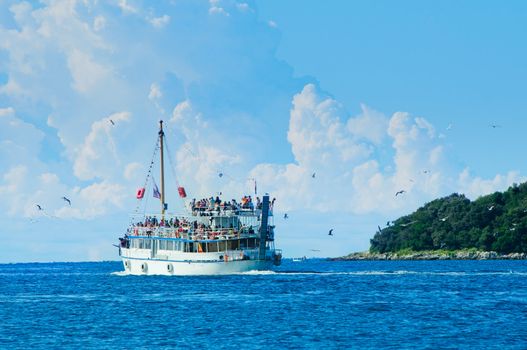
(212, 247)
(170, 245)
(162, 245)
(147, 244)
(222, 246)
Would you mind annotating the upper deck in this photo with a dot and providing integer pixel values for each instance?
(216, 224)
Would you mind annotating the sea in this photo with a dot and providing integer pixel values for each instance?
(311, 304)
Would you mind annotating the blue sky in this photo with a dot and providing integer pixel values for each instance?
(372, 96)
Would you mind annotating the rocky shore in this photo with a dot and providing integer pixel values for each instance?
(434, 255)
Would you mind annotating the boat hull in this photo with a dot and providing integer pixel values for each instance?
(135, 266)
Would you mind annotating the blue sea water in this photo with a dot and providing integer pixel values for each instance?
(311, 304)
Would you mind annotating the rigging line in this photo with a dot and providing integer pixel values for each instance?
(172, 168)
(148, 174)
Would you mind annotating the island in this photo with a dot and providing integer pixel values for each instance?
(454, 227)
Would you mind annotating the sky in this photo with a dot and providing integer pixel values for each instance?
(372, 97)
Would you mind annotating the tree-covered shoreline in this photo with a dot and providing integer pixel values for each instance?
(496, 222)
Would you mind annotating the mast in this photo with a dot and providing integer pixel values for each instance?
(161, 136)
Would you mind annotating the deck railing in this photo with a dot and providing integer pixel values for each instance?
(189, 233)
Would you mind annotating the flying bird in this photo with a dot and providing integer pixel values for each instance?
(67, 200)
(39, 207)
(400, 192)
(380, 230)
(494, 126)
(426, 171)
(315, 250)
(111, 121)
(445, 218)
(449, 127)
(408, 224)
(220, 174)
(330, 233)
(286, 216)
(491, 208)
(313, 176)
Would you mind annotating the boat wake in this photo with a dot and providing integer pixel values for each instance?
(355, 273)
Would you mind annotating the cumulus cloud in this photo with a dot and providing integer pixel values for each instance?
(475, 186)
(370, 125)
(342, 153)
(98, 156)
(216, 9)
(85, 71)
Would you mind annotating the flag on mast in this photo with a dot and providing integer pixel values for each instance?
(156, 193)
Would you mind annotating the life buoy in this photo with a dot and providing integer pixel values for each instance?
(140, 193)
(182, 193)
(144, 267)
(170, 268)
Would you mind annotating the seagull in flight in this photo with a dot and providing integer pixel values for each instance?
(445, 218)
(39, 207)
(491, 208)
(220, 174)
(315, 250)
(330, 233)
(111, 121)
(67, 200)
(286, 216)
(313, 176)
(494, 126)
(426, 171)
(380, 229)
(400, 192)
(408, 224)
(449, 127)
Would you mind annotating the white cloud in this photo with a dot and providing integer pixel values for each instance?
(243, 6)
(86, 73)
(132, 171)
(474, 187)
(155, 92)
(215, 8)
(160, 22)
(126, 7)
(99, 23)
(98, 156)
(272, 24)
(370, 125)
(342, 154)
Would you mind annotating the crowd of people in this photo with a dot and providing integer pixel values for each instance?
(203, 207)
(207, 205)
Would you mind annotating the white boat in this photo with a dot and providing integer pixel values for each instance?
(223, 238)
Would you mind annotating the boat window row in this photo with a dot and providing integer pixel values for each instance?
(195, 247)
